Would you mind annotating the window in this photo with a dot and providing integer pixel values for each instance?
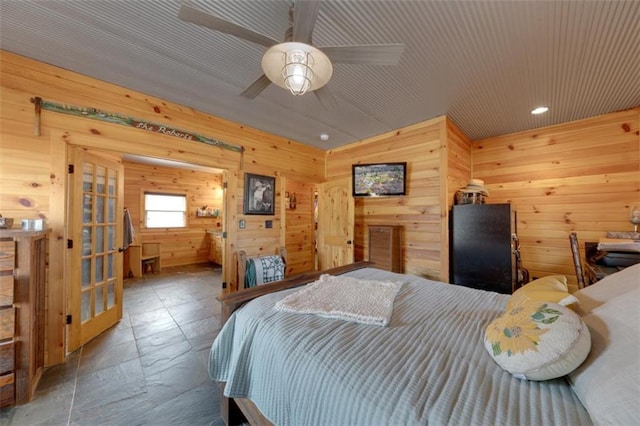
(165, 210)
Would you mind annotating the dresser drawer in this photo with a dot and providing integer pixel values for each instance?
(7, 323)
(7, 255)
(7, 357)
(7, 390)
(6, 290)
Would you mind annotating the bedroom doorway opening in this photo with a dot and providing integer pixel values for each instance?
(100, 281)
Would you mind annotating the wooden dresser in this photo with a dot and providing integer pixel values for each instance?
(22, 299)
(385, 247)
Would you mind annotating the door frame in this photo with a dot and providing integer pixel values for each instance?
(61, 143)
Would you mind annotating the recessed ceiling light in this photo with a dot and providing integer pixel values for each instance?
(324, 137)
(540, 110)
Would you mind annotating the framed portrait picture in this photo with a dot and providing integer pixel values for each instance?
(259, 194)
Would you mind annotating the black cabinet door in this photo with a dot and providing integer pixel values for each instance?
(481, 255)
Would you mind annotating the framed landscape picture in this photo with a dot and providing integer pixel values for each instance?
(376, 180)
(259, 194)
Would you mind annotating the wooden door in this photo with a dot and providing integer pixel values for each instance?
(335, 223)
(95, 227)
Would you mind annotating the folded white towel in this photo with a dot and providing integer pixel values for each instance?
(350, 299)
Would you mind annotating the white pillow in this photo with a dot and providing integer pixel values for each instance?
(608, 383)
(607, 288)
(538, 340)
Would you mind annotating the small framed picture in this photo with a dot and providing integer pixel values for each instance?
(259, 194)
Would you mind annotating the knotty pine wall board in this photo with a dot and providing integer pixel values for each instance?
(30, 163)
(582, 176)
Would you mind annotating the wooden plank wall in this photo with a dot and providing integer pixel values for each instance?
(582, 176)
(459, 167)
(300, 228)
(33, 168)
(180, 246)
(419, 211)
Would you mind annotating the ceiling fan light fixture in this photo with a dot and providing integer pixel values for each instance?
(297, 71)
(297, 67)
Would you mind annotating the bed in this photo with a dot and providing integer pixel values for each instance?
(429, 365)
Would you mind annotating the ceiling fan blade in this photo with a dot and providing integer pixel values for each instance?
(305, 14)
(373, 54)
(196, 16)
(326, 98)
(256, 87)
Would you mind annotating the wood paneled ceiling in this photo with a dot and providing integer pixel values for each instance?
(485, 64)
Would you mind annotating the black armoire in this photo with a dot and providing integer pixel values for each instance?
(480, 247)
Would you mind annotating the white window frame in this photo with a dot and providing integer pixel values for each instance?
(145, 211)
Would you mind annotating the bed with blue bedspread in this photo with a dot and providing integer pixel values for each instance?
(427, 366)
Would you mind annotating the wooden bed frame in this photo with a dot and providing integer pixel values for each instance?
(241, 410)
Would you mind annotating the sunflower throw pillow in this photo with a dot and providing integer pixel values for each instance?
(538, 340)
(552, 288)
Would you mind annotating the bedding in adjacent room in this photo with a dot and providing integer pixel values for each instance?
(429, 365)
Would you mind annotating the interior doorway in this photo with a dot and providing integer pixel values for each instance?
(179, 246)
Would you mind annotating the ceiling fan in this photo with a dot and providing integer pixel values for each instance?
(296, 64)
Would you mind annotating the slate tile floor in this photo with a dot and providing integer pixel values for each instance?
(149, 369)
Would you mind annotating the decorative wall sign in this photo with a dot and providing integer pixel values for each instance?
(109, 117)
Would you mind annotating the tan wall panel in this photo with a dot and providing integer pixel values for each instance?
(582, 176)
(300, 228)
(420, 146)
(459, 167)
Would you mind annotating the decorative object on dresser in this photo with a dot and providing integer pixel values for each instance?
(481, 253)
(385, 247)
(5, 222)
(22, 305)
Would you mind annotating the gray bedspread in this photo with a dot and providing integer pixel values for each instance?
(428, 366)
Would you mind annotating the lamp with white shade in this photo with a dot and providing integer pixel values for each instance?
(298, 67)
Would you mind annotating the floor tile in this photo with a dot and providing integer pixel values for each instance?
(202, 327)
(133, 410)
(153, 322)
(61, 373)
(109, 385)
(102, 356)
(188, 312)
(48, 407)
(197, 406)
(149, 369)
(176, 379)
(160, 341)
